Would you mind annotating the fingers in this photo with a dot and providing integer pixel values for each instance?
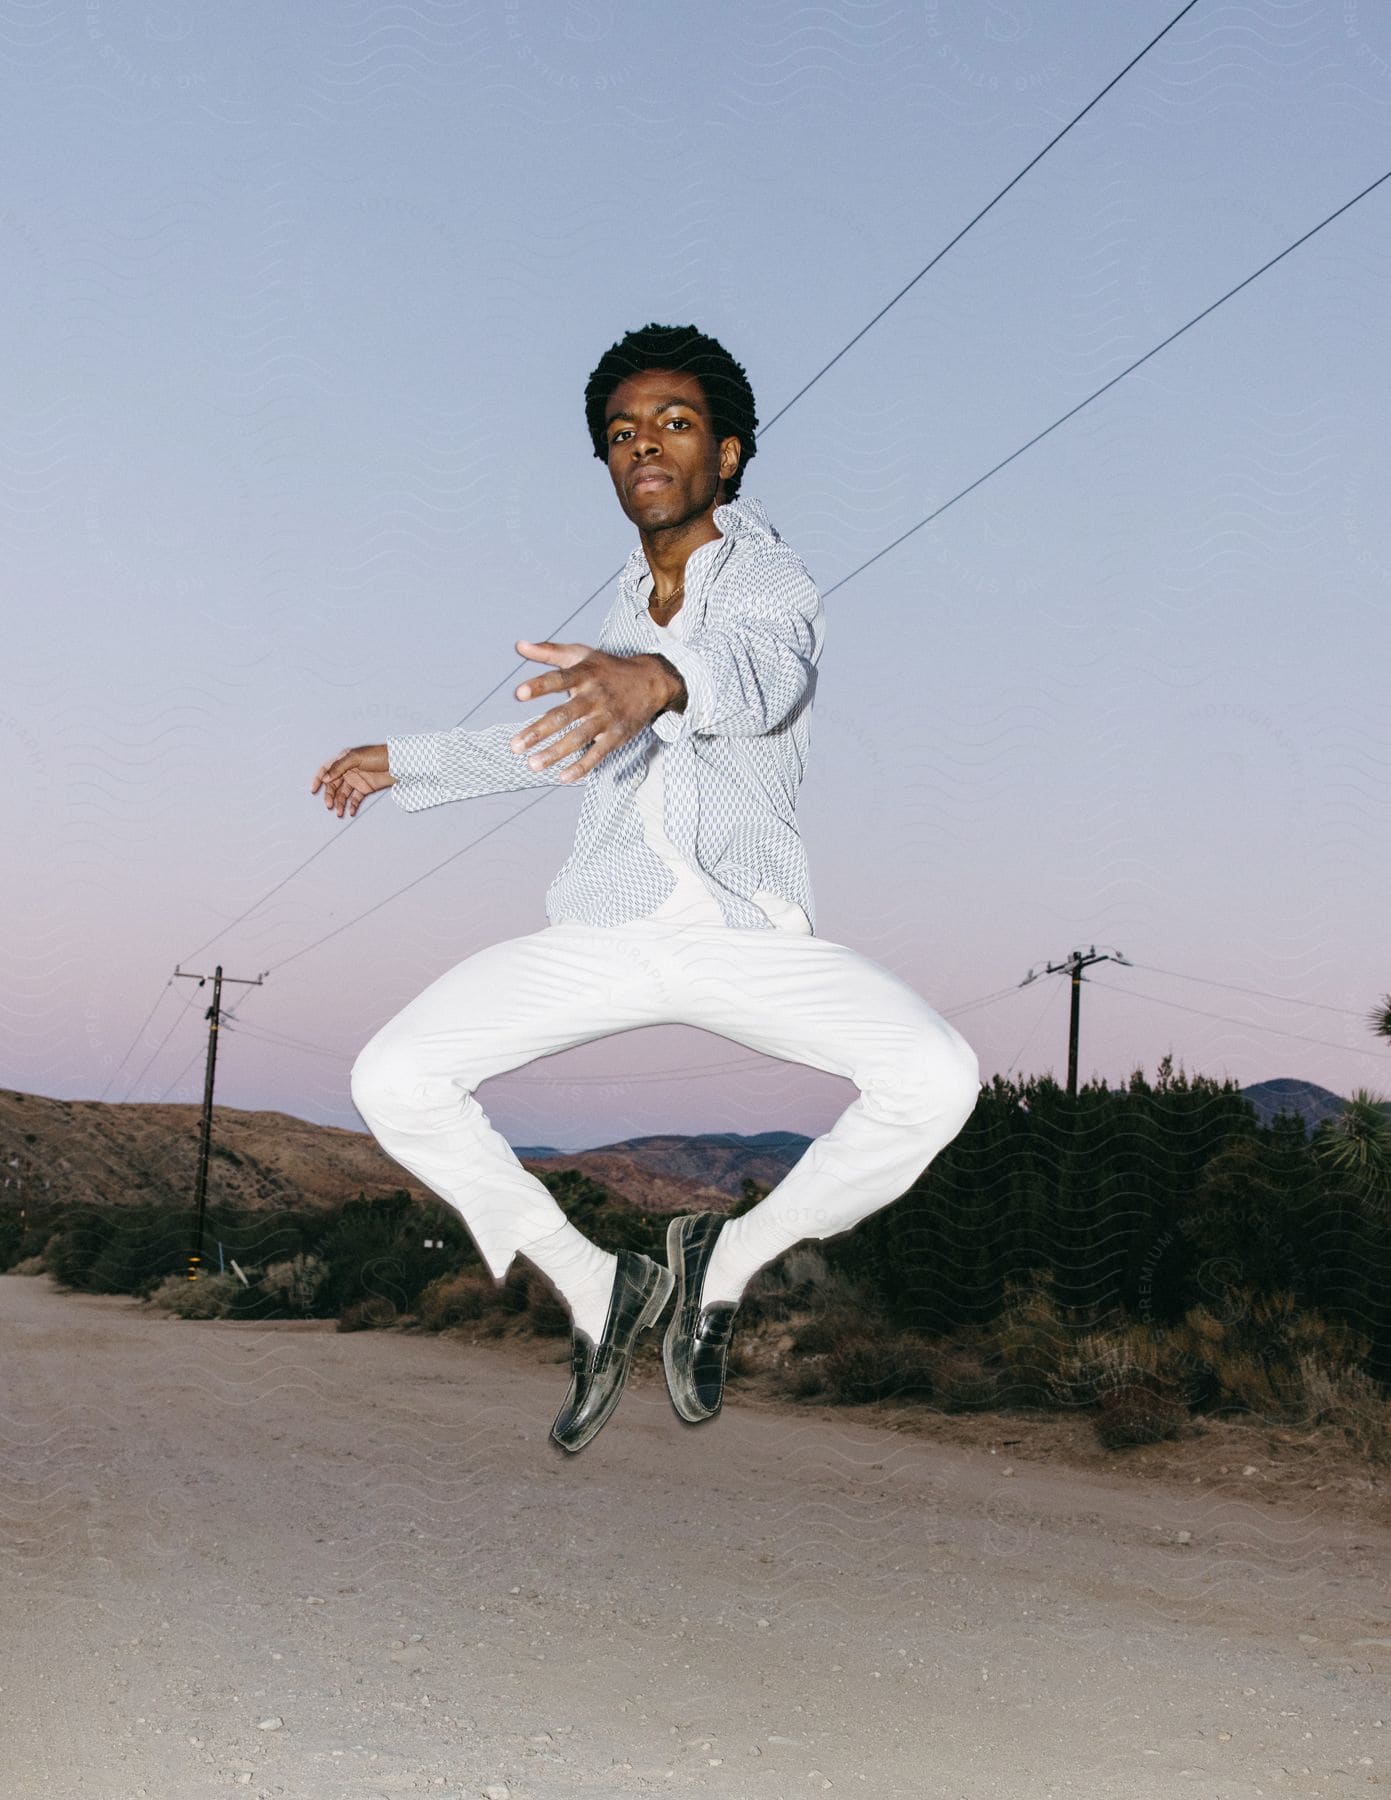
(546, 726)
(344, 791)
(350, 795)
(326, 771)
(582, 730)
(564, 656)
(547, 653)
(330, 773)
(595, 754)
(553, 683)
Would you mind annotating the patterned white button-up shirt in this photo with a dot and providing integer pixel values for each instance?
(735, 756)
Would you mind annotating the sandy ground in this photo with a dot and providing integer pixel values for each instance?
(281, 1560)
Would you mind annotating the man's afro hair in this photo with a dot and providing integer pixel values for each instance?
(683, 348)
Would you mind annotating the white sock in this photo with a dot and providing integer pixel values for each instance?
(743, 1247)
(581, 1273)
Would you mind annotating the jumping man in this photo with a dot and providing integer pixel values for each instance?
(686, 898)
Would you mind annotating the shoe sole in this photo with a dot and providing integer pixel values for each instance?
(648, 1317)
(676, 1258)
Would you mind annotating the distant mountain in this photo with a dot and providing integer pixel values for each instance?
(682, 1174)
(1307, 1099)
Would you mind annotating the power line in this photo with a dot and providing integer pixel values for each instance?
(935, 514)
(226, 1013)
(269, 894)
(1139, 362)
(178, 1018)
(136, 1039)
(452, 857)
(1033, 1029)
(1244, 1024)
(954, 1012)
(972, 223)
(1257, 993)
(782, 411)
(178, 1078)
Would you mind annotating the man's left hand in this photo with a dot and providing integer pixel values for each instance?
(612, 699)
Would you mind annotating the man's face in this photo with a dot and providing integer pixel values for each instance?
(666, 462)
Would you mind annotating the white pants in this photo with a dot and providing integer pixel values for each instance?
(800, 998)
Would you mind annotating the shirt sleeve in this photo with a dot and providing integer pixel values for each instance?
(431, 767)
(745, 675)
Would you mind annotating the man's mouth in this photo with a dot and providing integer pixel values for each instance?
(648, 478)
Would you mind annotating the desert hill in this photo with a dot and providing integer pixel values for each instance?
(92, 1152)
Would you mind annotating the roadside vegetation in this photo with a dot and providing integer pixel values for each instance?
(1150, 1256)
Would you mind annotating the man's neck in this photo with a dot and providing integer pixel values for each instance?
(667, 549)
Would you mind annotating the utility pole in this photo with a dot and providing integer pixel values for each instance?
(213, 1016)
(1074, 965)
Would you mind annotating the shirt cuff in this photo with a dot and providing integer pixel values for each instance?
(413, 762)
(693, 668)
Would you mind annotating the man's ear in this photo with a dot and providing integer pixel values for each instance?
(731, 454)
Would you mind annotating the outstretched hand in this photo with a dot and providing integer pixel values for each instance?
(612, 699)
(349, 778)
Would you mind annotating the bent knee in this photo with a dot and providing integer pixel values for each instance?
(939, 1086)
(385, 1078)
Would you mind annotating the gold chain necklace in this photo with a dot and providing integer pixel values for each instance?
(670, 601)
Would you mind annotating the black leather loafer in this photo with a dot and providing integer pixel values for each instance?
(696, 1347)
(641, 1289)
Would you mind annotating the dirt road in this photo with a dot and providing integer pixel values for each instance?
(279, 1560)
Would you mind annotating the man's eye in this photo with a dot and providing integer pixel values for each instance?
(618, 436)
(685, 424)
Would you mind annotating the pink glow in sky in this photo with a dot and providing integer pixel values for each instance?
(295, 335)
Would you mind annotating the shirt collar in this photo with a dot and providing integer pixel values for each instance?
(736, 519)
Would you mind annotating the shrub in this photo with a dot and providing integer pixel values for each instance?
(514, 1295)
(210, 1297)
(767, 1296)
(1101, 1363)
(296, 1284)
(31, 1265)
(256, 1301)
(1352, 1402)
(812, 1282)
(1260, 1360)
(1029, 1341)
(1272, 1387)
(876, 1365)
(120, 1250)
(375, 1249)
(1138, 1412)
(547, 1314)
(962, 1379)
(823, 1331)
(457, 1300)
(374, 1313)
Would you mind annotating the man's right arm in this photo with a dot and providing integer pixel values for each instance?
(429, 768)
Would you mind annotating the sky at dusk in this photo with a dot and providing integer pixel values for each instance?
(298, 310)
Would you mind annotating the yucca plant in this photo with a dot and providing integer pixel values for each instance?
(1357, 1146)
